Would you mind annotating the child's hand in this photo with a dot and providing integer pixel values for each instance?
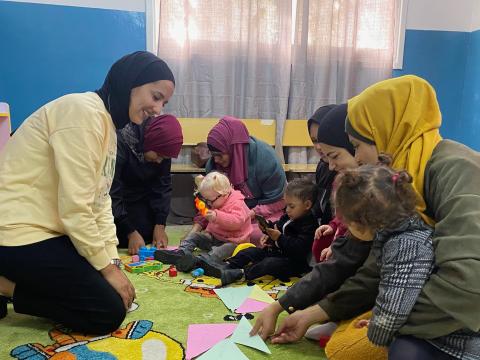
(211, 215)
(323, 230)
(326, 254)
(362, 323)
(274, 234)
(264, 241)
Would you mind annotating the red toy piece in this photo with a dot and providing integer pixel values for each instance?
(172, 272)
(323, 340)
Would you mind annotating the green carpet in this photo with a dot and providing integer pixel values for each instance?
(166, 307)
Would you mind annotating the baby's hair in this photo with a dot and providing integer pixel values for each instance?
(302, 189)
(375, 197)
(217, 182)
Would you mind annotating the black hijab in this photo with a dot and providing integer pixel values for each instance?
(319, 114)
(331, 130)
(323, 175)
(130, 71)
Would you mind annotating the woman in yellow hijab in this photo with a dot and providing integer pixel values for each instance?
(401, 117)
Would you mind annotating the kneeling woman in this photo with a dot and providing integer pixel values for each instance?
(142, 186)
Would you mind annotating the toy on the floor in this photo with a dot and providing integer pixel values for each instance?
(198, 272)
(201, 207)
(146, 253)
(143, 266)
(135, 258)
(322, 340)
(172, 272)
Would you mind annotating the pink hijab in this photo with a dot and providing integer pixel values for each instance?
(163, 135)
(230, 136)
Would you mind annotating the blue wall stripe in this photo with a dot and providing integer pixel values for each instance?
(49, 50)
(441, 57)
(470, 120)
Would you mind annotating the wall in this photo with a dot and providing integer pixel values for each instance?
(470, 119)
(49, 49)
(440, 47)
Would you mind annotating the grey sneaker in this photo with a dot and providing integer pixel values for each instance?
(229, 276)
(211, 266)
(187, 263)
(169, 256)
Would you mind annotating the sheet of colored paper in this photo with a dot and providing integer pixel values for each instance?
(202, 337)
(225, 349)
(250, 305)
(241, 335)
(233, 297)
(260, 295)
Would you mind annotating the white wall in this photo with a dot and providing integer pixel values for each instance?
(443, 15)
(127, 5)
(475, 16)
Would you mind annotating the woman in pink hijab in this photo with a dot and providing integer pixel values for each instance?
(142, 187)
(252, 167)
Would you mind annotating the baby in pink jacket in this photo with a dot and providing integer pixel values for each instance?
(229, 224)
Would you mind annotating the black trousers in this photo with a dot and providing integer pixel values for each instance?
(53, 281)
(142, 218)
(412, 348)
(264, 262)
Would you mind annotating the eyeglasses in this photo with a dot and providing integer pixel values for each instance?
(207, 201)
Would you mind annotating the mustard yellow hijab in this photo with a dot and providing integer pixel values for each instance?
(402, 117)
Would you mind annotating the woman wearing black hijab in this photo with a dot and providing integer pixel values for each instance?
(58, 256)
(348, 254)
(323, 176)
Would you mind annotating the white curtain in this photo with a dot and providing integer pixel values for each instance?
(340, 47)
(237, 57)
(229, 57)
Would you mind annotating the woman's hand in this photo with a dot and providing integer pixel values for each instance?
(295, 325)
(326, 254)
(120, 283)
(160, 238)
(264, 241)
(323, 230)
(267, 321)
(135, 242)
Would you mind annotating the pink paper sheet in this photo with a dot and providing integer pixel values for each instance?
(250, 305)
(201, 337)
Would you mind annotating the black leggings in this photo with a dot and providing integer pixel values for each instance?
(53, 281)
(412, 348)
(264, 263)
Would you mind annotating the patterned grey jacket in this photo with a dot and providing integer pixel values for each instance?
(405, 257)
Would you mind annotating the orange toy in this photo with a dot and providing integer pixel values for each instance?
(201, 207)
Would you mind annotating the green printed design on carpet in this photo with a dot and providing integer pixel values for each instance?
(165, 309)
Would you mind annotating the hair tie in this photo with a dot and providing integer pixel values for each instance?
(395, 178)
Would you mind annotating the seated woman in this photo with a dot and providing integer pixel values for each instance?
(401, 117)
(142, 184)
(58, 248)
(252, 167)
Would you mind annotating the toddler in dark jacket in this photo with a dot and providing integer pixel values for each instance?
(286, 245)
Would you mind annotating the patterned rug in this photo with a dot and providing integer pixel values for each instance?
(156, 329)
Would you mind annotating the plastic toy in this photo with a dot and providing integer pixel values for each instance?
(143, 266)
(322, 341)
(135, 258)
(172, 272)
(197, 272)
(201, 206)
(146, 253)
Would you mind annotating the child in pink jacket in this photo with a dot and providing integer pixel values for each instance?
(229, 224)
